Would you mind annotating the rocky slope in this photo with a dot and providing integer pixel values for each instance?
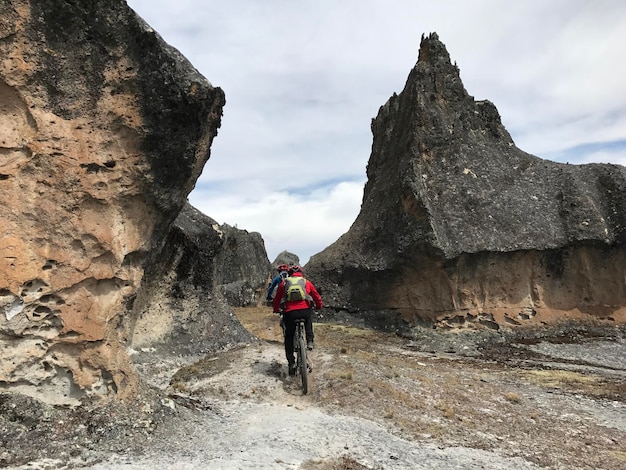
(459, 227)
(104, 129)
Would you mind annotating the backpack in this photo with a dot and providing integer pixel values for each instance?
(295, 289)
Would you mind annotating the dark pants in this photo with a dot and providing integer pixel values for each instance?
(289, 319)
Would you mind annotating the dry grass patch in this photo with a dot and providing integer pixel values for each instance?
(512, 397)
(261, 322)
(556, 378)
(447, 409)
(344, 339)
(202, 369)
(264, 324)
(344, 462)
(345, 331)
(367, 356)
(576, 382)
(389, 391)
(344, 373)
(619, 455)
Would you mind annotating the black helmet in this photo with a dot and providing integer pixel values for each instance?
(294, 269)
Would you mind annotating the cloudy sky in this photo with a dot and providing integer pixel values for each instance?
(303, 79)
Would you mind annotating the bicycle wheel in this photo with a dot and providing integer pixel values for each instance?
(302, 362)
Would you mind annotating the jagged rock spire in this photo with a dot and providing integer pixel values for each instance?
(451, 203)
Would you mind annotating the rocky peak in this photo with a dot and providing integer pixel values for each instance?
(450, 202)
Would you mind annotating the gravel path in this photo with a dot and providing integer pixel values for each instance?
(244, 435)
(380, 404)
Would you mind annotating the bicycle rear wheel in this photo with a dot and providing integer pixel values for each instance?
(302, 362)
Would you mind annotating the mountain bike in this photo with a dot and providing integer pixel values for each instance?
(303, 367)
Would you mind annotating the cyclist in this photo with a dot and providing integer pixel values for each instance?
(282, 274)
(299, 306)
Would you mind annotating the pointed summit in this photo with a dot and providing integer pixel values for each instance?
(456, 220)
(432, 50)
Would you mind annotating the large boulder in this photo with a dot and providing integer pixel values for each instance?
(181, 308)
(242, 266)
(104, 129)
(460, 227)
(285, 257)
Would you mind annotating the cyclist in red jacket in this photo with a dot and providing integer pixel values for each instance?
(294, 297)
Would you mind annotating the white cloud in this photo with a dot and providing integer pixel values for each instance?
(303, 80)
(300, 223)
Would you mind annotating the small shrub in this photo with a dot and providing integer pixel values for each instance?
(512, 397)
(345, 374)
(446, 409)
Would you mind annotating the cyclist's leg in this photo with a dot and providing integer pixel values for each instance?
(290, 328)
(306, 315)
(308, 327)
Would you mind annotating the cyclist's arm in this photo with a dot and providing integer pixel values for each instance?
(317, 298)
(278, 297)
(270, 289)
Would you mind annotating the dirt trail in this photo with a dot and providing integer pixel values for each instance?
(377, 402)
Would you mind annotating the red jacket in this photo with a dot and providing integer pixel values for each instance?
(296, 304)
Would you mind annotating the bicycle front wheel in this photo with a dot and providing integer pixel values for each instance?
(302, 363)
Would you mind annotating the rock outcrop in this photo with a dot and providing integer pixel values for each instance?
(459, 227)
(184, 305)
(242, 266)
(285, 257)
(104, 129)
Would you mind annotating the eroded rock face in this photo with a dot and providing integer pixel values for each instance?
(458, 226)
(104, 130)
(242, 266)
(184, 305)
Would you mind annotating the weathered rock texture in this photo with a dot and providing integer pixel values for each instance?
(104, 130)
(458, 226)
(184, 304)
(242, 266)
